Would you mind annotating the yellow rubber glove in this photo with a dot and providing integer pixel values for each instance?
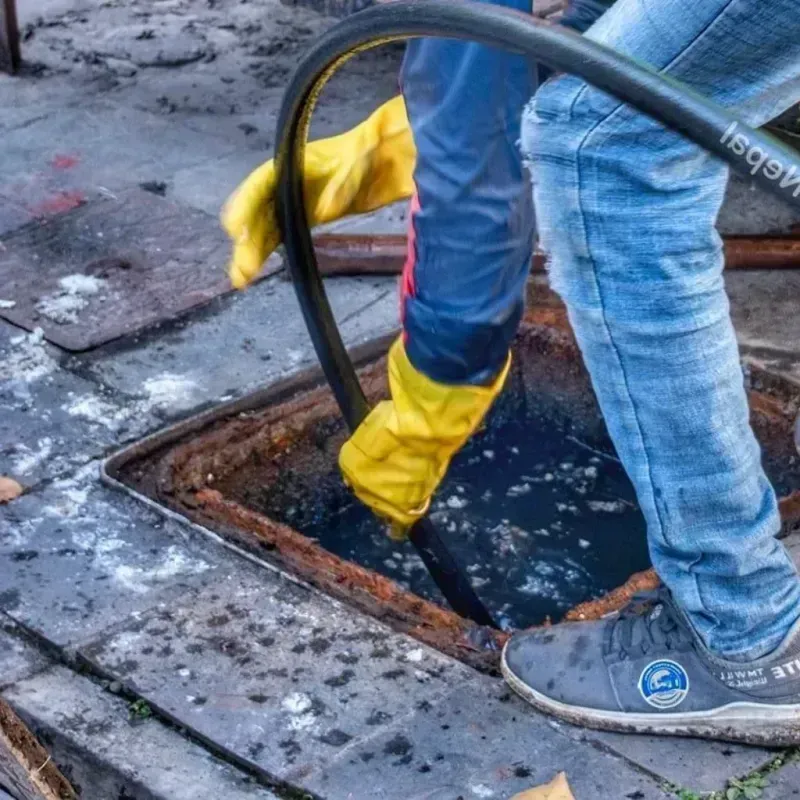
(401, 451)
(361, 170)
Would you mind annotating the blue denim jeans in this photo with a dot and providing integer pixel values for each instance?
(626, 212)
(471, 226)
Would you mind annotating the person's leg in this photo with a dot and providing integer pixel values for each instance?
(471, 227)
(626, 211)
(470, 234)
(470, 242)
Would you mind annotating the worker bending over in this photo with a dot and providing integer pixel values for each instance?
(626, 214)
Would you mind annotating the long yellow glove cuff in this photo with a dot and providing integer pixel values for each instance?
(401, 451)
(368, 167)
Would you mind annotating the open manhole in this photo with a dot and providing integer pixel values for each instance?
(537, 508)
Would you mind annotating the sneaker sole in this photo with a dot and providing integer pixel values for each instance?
(749, 723)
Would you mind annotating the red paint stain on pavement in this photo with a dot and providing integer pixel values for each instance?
(63, 161)
(58, 204)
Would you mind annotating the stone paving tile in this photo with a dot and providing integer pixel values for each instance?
(478, 742)
(90, 730)
(19, 658)
(391, 219)
(381, 316)
(273, 672)
(106, 142)
(236, 345)
(692, 764)
(25, 99)
(783, 784)
(50, 419)
(56, 162)
(12, 215)
(209, 184)
(750, 210)
(764, 310)
(77, 557)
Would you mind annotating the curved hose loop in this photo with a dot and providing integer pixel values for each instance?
(660, 97)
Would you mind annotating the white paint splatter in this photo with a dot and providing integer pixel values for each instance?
(27, 460)
(169, 390)
(64, 306)
(415, 656)
(295, 357)
(481, 790)
(74, 493)
(584, 543)
(7, 303)
(27, 360)
(297, 703)
(176, 562)
(99, 411)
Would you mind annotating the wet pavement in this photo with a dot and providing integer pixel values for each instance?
(254, 684)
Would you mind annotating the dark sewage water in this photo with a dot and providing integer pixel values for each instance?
(539, 520)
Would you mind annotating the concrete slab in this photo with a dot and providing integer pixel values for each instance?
(103, 141)
(77, 558)
(208, 185)
(89, 733)
(112, 266)
(53, 163)
(695, 765)
(479, 742)
(749, 210)
(783, 784)
(52, 421)
(19, 659)
(27, 98)
(233, 346)
(764, 310)
(274, 673)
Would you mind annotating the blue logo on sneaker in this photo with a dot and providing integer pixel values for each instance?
(664, 684)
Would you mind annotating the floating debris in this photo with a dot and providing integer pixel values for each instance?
(457, 502)
(607, 506)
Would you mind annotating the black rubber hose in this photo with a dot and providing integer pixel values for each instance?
(563, 50)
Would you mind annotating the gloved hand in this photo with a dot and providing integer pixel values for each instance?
(361, 170)
(401, 451)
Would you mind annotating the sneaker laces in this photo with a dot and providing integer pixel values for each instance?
(649, 622)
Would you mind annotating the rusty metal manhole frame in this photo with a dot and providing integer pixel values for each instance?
(297, 557)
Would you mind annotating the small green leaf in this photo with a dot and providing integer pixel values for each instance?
(752, 792)
(140, 710)
(732, 794)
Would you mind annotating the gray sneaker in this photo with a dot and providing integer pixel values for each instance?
(644, 670)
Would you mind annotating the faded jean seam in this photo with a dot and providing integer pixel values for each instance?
(607, 327)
